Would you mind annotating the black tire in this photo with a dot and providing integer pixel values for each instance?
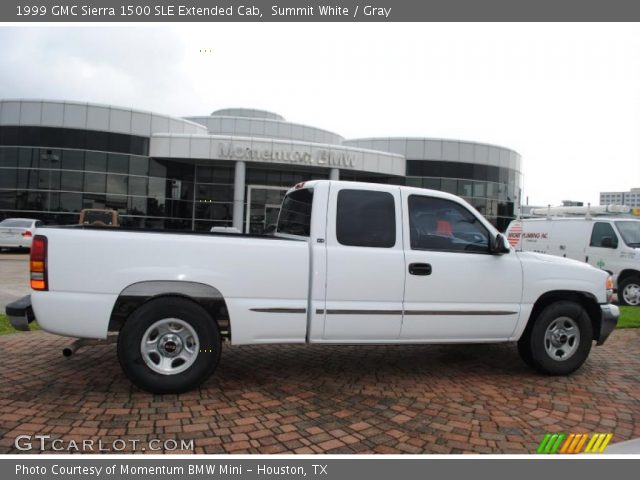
(532, 344)
(626, 282)
(525, 351)
(206, 357)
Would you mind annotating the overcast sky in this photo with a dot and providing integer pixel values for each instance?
(565, 96)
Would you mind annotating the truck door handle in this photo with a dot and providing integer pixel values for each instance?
(420, 268)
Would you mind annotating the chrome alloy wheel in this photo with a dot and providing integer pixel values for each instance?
(631, 294)
(170, 346)
(562, 338)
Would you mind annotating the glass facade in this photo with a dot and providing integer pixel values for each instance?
(52, 173)
(54, 184)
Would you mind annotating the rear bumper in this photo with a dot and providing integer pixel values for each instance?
(20, 313)
(17, 243)
(609, 315)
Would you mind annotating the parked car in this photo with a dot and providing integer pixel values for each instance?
(607, 241)
(17, 233)
(102, 217)
(349, 263)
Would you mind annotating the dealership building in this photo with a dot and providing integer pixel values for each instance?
(230, 168)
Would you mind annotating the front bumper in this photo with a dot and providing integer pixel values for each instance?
(20, 313)
(609, 315)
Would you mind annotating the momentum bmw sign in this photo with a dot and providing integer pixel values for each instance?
(322, 157)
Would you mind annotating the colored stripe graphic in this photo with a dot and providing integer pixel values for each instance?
(567, 442)
(550, 443)
(598, 443)
(543, 443)
(581, 443)
(574, 443)
(556, 445)
(606, 442)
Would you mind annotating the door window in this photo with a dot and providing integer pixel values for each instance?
(443, 225)
(603, 236)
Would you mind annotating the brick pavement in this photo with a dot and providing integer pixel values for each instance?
(317, 399)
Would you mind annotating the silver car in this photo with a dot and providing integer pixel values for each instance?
(17, 232)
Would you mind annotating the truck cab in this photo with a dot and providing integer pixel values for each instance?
(397, 264)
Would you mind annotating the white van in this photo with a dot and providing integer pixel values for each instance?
(611, 243)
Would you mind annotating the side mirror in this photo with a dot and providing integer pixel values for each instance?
(499, 245)
(607, 242)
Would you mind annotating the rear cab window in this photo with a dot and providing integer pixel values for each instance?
(295, 213)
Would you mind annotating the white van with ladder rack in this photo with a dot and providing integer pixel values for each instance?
(607, 237)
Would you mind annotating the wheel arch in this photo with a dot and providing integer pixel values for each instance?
(139, 293)
(627, 272)
(587, 300)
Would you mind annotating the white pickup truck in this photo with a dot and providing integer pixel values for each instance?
(349, 263)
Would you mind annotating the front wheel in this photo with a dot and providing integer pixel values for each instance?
(629, 291)
(560, 339)
(169, 345)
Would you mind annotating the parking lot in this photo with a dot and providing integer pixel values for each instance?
(307, 399)
(316, 399)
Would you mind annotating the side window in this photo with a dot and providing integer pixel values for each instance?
(603, 236)
(366, 219)
(439, 224)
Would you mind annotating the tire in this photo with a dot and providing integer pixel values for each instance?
(559, 340)
(181, 350)
(629, 291)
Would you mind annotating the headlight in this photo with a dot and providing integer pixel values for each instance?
(609, 288)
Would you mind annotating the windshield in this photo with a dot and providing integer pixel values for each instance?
(13, 222)
(630, 232)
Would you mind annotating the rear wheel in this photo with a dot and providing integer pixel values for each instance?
(629, 291)
(560, 339)
(169, 345)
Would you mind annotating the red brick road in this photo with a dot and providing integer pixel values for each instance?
(306, 399)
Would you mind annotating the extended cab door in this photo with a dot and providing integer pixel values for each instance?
(455, 289)
(365, 264)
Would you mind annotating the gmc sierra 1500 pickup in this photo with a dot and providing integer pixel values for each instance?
(349, 263)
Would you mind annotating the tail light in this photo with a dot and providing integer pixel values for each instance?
(38, 263)
(27, 234)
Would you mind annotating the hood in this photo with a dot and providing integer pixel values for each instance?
(561, 261)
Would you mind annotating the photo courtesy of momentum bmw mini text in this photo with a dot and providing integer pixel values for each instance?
(319, 239)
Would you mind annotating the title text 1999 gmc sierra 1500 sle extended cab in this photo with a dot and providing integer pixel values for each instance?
(349, 263)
